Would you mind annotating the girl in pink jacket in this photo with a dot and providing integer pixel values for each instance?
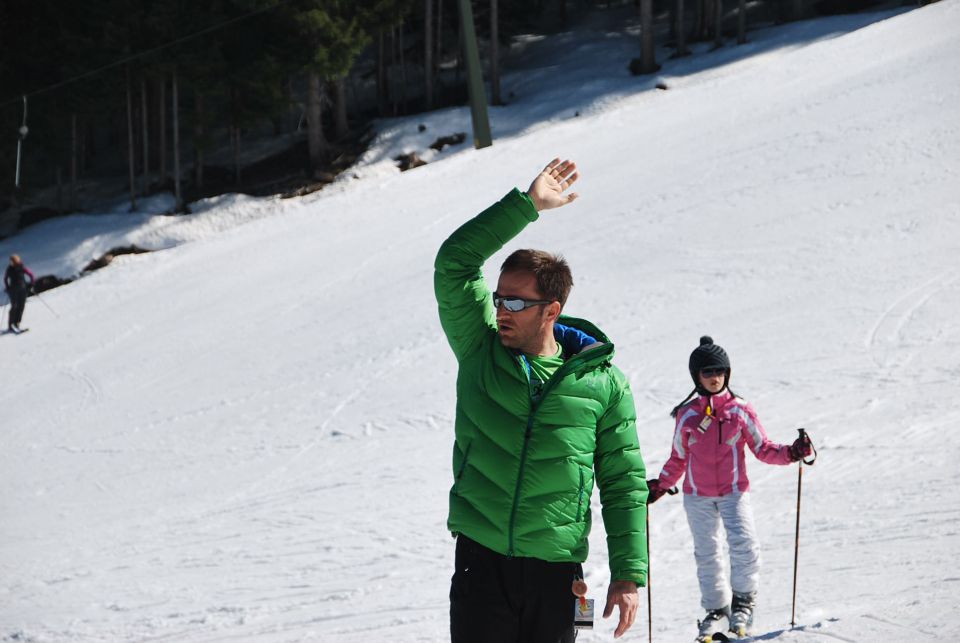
(713, 431)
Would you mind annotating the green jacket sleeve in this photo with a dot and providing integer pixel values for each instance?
(621, 477)
(466, 308)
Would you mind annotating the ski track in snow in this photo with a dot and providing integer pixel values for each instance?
(888, 330)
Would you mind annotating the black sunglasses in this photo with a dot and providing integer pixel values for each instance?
(713, 372)
(516, 304)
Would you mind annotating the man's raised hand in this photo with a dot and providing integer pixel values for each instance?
(547, 190)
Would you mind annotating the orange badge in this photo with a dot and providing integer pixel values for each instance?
(579, 588)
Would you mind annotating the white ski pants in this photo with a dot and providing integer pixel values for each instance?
(705, 516)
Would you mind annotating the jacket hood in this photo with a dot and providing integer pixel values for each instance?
(580, 338)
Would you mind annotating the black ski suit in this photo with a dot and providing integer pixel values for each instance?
(17, 287)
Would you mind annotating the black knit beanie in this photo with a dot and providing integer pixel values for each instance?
(708, 355)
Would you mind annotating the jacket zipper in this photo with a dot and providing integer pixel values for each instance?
(557, 376)
(516, 491)
(719, 442)
(580, 496)
(463, 466)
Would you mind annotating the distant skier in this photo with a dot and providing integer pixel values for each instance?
(712, 430)
(17, 287)
(541, 415)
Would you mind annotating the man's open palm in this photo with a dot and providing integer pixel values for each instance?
(547, 190)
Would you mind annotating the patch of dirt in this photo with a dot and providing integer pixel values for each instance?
(409, 161)
(105, 259)
(48, 282)
(444, 141)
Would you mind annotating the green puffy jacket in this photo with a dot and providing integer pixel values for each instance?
(524, 471)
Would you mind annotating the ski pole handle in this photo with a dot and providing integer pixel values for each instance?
(806, 439)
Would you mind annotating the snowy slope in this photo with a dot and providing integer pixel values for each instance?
(246, 436)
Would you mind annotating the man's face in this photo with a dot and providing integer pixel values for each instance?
(524, 329)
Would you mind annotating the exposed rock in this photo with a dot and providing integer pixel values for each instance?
(409, 161)
(453, 139)
(48, 282)
(105, 259)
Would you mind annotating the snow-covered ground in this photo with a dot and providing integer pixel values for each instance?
(246, 436)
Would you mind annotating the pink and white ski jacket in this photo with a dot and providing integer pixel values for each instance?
(708, 446)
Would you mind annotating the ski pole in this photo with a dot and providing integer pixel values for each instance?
(796, 540)
(37, 295)
(649, 597)
(672, 491)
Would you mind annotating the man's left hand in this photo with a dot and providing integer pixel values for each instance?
(547, 190)
(624, 594)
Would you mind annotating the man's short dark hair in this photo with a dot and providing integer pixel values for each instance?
(554, 279)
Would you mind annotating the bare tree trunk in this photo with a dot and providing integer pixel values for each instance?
(647, 51)
(742, 22)
(718, 23)
(351, 89)
(394, 58)
(495, 98)
(681, 31)
(198, 142)
(176, 144)
(391, 67)
(145, 177)
(341, 126)
(59, 190)
(74, 150)
(163, 130)
(459, 66)
(316, 144)
(294, 110)
(697, 31)
(87, 145)
(130, 150)
(403, 70)
(235, 142)
(439, 57)
(428, 54)
(84, 147)
(382, 89)
(781, 12)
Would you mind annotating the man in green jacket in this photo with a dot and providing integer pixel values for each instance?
(541, 414)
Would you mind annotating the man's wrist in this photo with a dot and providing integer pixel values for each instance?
(533, 201)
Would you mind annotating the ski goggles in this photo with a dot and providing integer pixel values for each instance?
(516, 304)
(713, 371)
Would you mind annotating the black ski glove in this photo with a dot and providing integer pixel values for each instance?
(655, 490)
(801, 448)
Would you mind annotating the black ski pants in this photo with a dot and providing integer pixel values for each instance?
(18, 301)
(499, 599)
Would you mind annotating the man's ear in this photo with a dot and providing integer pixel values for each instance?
(553, 310)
